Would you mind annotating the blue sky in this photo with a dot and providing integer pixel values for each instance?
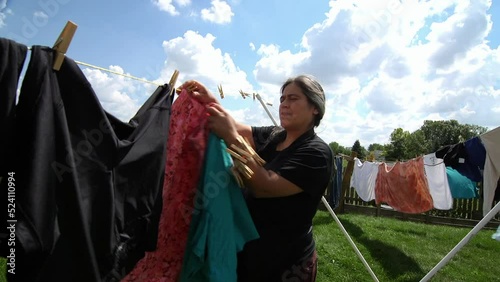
(383, 64)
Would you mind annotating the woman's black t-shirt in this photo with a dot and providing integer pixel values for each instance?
(285, 223)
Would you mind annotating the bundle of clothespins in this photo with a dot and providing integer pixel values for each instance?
(241, 154)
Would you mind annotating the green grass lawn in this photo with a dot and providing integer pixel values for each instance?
(398, 251)
(401, 251)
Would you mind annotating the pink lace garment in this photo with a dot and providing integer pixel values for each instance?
(185, 152)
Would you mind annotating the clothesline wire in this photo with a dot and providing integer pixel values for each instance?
(436, 164)
(117, 73)
(114, 72)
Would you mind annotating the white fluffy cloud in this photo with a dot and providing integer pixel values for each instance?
(274, 66)
(458, 34)
(383, 65)
(220, 12)
(386, 64)
(3, 12)
(196, 57)
(120, 96)
(168, 5)
(2, 19)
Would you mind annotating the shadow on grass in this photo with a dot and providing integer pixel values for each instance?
(412, 232)
(394, 262)
(323, 219)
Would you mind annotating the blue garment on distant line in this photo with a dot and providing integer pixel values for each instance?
(467, 158)
(336, 186)
(461, 187)
(476, 154)
(221, 223)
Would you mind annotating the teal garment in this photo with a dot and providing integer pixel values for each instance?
(221, 223)
(461, 186)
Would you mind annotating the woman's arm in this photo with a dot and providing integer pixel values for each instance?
(267, 183)
(264, 183)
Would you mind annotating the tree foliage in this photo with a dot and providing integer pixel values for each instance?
(338, 149)
(416, 144)
(396, 150)
(360, 150)
(431, 136)
(447, 132)
(376, 147)
(404, 145)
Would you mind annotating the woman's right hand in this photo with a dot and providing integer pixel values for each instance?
(199, 92)
(222, 124)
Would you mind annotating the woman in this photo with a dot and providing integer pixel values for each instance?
(282, 196)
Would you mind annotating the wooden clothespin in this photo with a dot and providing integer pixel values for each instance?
(219, 87)
(172, 82)
(62, 44)
(244, 95)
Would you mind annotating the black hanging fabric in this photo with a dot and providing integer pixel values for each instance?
(12, 57)
(336, 186)
(89, 187)
(466, 157)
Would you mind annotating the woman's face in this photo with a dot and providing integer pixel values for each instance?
(296, 113)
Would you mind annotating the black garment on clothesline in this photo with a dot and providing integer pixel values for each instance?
(457, 157)
(89, 187)
(12, 57)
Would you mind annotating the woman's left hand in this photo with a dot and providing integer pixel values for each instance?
(221, 123)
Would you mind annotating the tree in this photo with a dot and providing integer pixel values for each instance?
(335, 147)
(468, 131)
(359, 150)
(431, 136)
(339, 149)
(447, 132)
(415, 145)
(376, 147)
(396, 150)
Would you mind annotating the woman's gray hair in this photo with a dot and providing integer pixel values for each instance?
(313, 91)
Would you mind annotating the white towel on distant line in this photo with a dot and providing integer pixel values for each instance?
(435, 172)
(364, 176)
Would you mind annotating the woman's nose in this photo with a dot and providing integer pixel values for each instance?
(284, 104)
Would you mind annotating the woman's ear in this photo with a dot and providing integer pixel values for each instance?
(315, 111)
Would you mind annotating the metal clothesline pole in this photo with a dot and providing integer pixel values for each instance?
(463, 242)
(353, 245)
(327, 205)
(265, 108)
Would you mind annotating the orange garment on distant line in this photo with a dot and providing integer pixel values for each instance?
(404, 187)
(185, 154)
